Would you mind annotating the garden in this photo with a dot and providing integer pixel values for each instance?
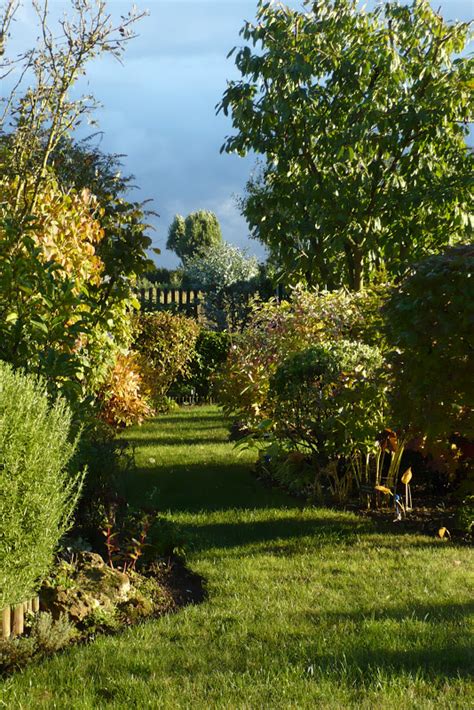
(299, 532)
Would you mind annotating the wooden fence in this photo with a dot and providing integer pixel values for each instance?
(188, 301)
(12, 619)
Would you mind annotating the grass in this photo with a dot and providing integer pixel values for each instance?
(306, 608)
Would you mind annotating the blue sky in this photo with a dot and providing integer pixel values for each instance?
(158, 107)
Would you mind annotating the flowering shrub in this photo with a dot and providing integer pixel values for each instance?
(125, 398)
(228, 276)
(276, 330)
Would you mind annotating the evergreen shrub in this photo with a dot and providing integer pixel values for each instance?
(39, 491)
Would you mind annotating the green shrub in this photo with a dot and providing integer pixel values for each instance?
(51, 635)
(430, 321)
(38, 491)
(209, 357)
(165, 344)
(465, 515)
(276, 330)
(329, 400)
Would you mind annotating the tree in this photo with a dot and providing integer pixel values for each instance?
(194, 235)
(361, 118)
(229, 276)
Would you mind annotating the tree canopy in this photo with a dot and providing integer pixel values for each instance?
(361, 119)
(194, 235)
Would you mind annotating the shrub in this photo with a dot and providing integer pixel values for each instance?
(329, 400)
(165, 344)
(125, 397)
(465, 515)
(39, 492)
(276, 330)
(210, 354)
(430, 319)
(51, 635)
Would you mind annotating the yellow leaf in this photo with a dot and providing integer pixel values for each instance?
(407, 476)
(384, 489)
(444, 532)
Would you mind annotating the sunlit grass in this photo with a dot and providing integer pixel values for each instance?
(306, 608)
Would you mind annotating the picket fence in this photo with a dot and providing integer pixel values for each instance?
(12, 619)
(188, 301)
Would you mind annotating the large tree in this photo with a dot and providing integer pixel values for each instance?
(194, 235)
(361, 119)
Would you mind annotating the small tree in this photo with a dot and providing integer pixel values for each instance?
(361, 118)
(228, 276)
(194, 235)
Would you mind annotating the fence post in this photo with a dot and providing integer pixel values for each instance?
(18, 620)
(6, 623)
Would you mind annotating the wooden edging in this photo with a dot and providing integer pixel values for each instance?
(12, 619)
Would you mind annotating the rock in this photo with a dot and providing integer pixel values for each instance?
(80, 589)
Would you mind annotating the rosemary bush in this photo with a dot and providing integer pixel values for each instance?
(38, 489)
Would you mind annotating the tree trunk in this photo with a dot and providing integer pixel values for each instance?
(354, 262)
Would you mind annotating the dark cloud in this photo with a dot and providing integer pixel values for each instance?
(159, 106)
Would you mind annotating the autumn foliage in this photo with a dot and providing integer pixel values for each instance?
(125, 399)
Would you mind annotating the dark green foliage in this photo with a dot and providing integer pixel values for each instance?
(329, 400)
(107, 458)
(361, 117)
(465, 515)
(192, 236)
(209, 356)
(38, 491)
(430, 325)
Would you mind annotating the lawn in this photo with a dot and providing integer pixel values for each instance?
(306, 608)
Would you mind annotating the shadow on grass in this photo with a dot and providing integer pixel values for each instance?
(362, 666)
(429, 613)
(200, 487)
(177, 441)
(279, 536)
(215, 417)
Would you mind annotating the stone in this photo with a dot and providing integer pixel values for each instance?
(81, 588)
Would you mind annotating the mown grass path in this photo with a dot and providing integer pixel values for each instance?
(306, 608)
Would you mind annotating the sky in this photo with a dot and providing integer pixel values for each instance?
(158, 107)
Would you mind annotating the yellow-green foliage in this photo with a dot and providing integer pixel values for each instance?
(38, 490)
(165, 343)
(277, 330)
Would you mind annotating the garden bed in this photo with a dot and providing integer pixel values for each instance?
(84, 597)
